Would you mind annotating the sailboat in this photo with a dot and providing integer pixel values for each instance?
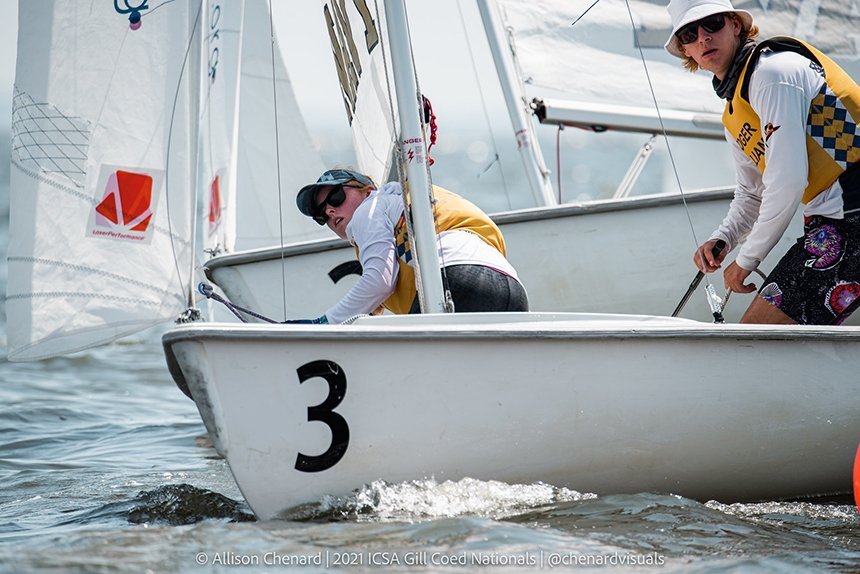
(599, 403)
(573, 274)
(102, 243)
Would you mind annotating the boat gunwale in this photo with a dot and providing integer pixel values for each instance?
(505, 217)
(344, 333)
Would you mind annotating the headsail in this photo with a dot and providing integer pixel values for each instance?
(264, 152)
(598, 57)
(219, 122)
(357, 34)
(243, 144)
(103, 133)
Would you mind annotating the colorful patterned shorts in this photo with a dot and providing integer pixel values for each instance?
(817, 282)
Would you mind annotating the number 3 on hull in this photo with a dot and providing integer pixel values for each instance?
(324, 412)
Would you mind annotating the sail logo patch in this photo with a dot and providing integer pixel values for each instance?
(125, 203)
(214, 205)
(134, 21)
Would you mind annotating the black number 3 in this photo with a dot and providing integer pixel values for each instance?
(324, 412)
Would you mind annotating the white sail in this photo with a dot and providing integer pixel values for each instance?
(598, 60)
(832, 26)
(219, 122)
(357, 34)
(269, 145)
(103, 133)
(240, 156)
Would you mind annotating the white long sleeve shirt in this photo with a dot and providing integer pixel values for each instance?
(371, 229)
(781, 90)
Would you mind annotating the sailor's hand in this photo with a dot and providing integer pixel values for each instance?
(734, 277)
(318, 321)
(705, 259)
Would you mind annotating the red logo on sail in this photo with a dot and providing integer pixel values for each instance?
(214, 204)
(127, 202)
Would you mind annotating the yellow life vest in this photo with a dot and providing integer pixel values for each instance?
(451, 212)
(832, 146)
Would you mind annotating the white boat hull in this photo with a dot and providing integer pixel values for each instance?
(617, 256)
(604, 405)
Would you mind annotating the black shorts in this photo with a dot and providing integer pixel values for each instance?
(479, 289)
(817, 282)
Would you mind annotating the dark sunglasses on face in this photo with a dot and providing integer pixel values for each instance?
(690, 33)
(335, 198)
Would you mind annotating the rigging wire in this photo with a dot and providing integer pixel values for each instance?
(483, 107)
(209, 151)
(398, 156)
(397, 150)
(278, 164)
(584, 13)
(401, 173)
(663, 130)
(190, 300)
(446, 289)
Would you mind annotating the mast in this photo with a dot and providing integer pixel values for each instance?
(536, 171)
(414, 155)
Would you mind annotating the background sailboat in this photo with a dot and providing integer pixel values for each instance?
(559, 252)
(245, 85)
(520, 396)
(604, 357)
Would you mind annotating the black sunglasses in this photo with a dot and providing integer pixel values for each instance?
(335, 198)
(690, 33)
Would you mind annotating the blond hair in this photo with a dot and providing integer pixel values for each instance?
(750, 32)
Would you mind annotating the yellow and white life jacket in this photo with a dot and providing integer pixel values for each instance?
(832, 137)
(451, 212)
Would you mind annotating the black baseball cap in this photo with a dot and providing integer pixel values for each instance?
(305, 200)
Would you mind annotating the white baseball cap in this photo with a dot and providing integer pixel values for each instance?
(683, 12)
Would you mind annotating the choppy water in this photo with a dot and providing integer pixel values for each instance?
(105, 467)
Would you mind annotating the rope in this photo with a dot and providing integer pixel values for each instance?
(430, 118)
(190, 300)
(209, 292)
(487, 121)
(398, 153)
(402, 177)
(584, 13)
(665, 135)
(278, 163)
(446, 288)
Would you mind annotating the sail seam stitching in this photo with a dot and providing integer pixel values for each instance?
(64, 294)
(94, 271)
